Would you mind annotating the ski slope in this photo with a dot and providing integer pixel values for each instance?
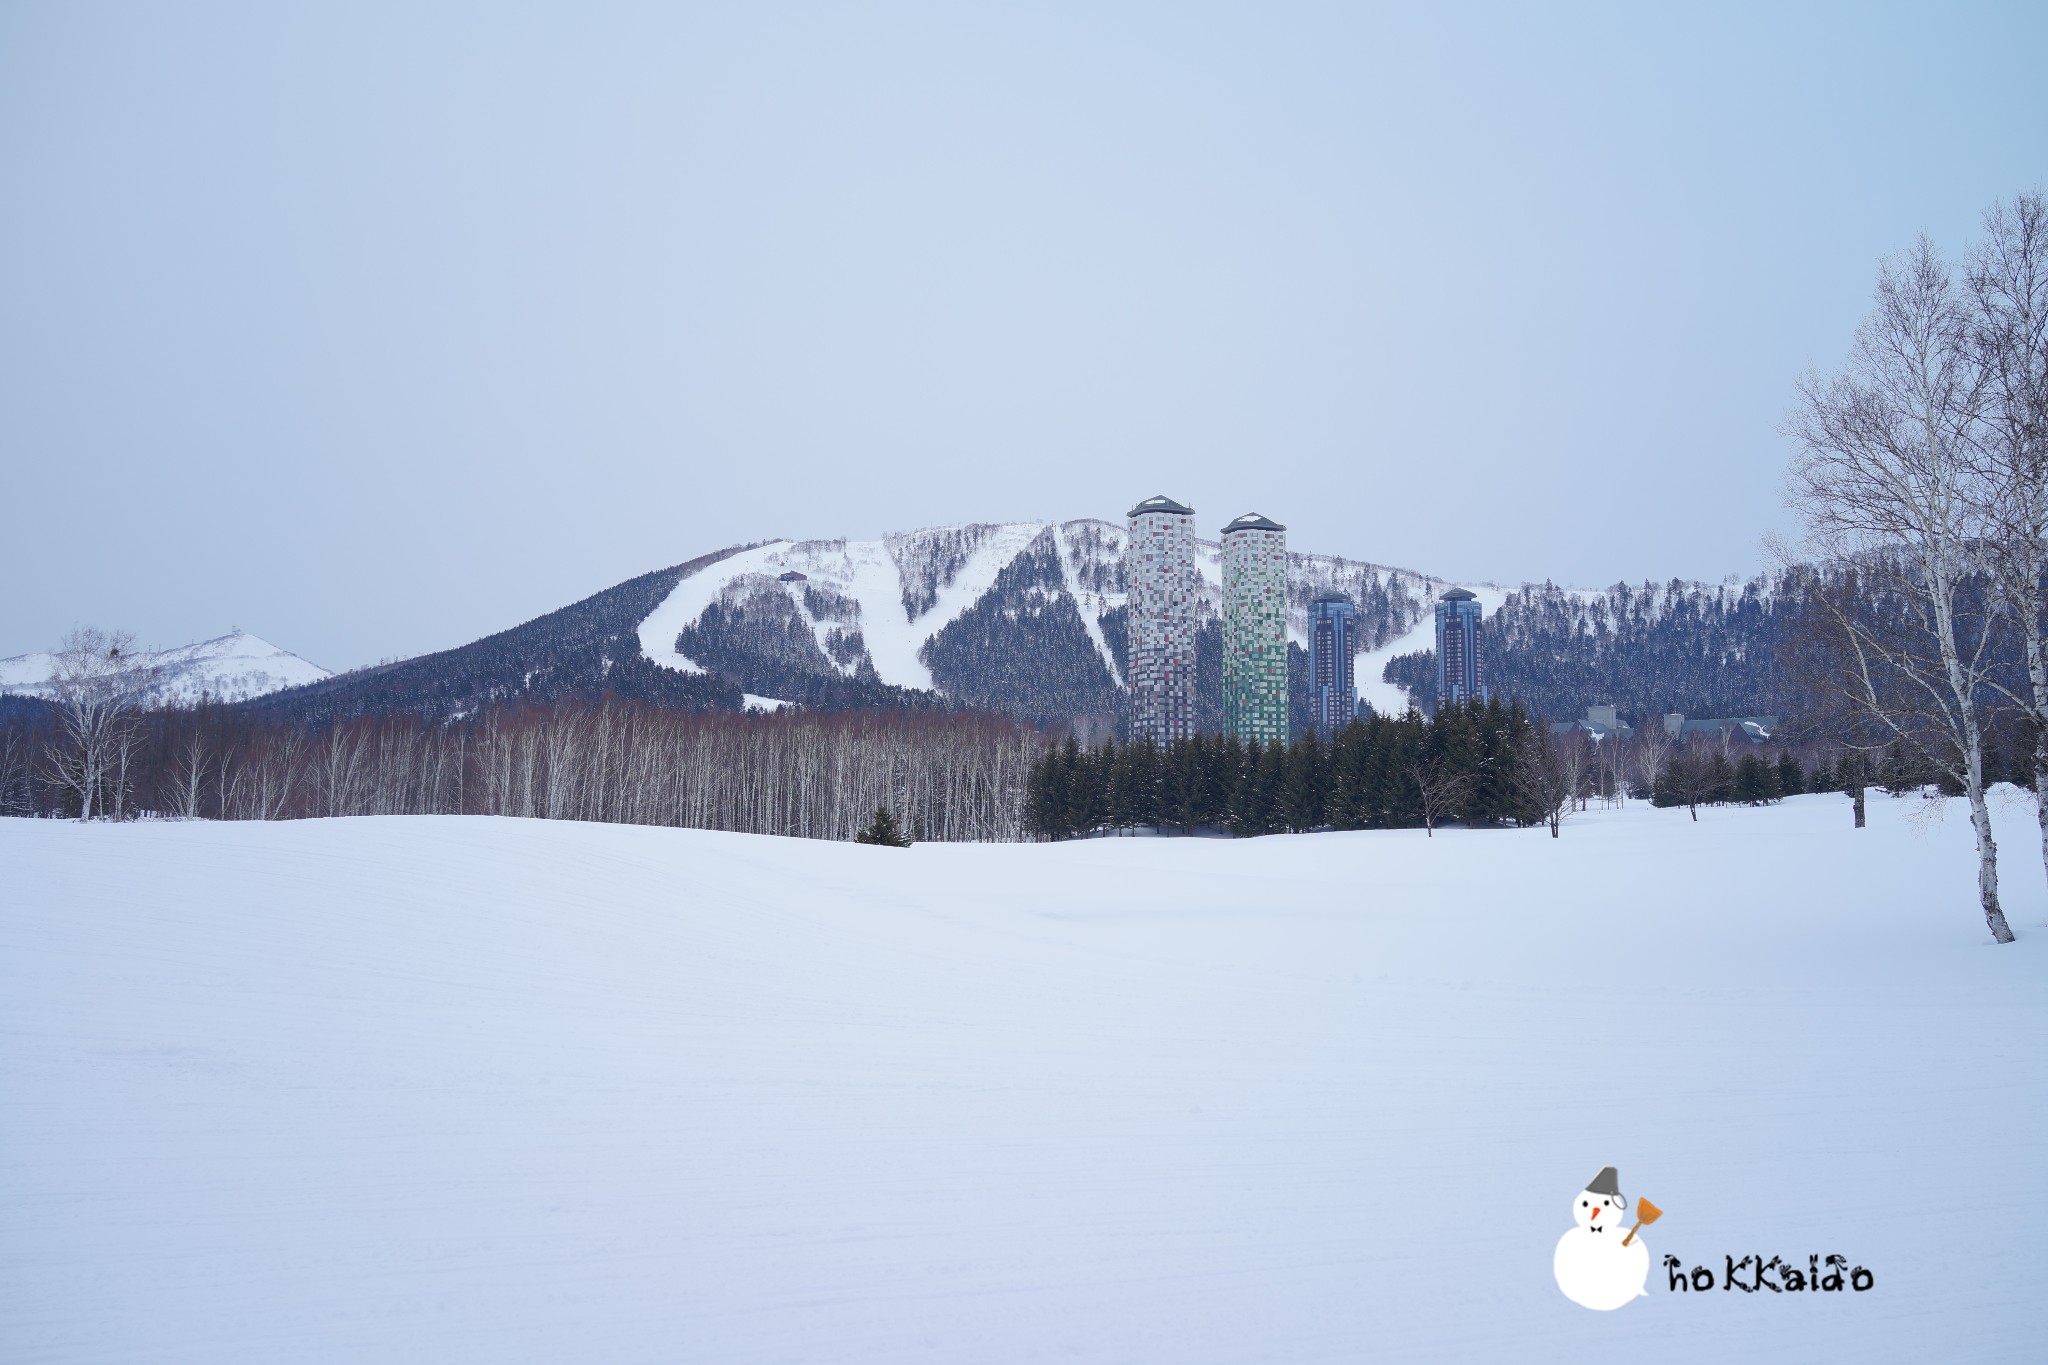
(880, 578)
(1391, 699)
(433, 1090)
(863, 570)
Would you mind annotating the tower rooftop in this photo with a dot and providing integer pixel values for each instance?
(1459, 595)
(1252, 521)
(1159, 502)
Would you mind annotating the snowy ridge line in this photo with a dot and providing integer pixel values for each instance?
(910, 585)
(232, 667)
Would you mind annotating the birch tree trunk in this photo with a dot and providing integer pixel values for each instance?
(2008, 288)
(1885, 482)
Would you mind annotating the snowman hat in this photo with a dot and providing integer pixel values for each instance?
(1607, 1183)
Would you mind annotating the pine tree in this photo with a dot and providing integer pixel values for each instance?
(1254, 805)
(1721, 779)
(1348, 758)
(1398, 798)
(1901, 772)
(1493, 779)
(1225, 769)
(1180, 784)
(1756, 781)
(1089, 802)
(1521, 805)
(882, 830)
(1302, 795)
(1791, 777)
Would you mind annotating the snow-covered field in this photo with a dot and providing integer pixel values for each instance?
(437, 1090)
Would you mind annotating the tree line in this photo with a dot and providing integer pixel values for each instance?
(944, 775)
(1484, 763)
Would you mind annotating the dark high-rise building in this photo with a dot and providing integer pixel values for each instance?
(1459, 676)
(1332, 641)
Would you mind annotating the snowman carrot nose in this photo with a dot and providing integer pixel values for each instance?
(1596, 1213)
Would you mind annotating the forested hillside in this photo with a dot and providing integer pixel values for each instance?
(1028, 620)
(1688, 647)
(584, 649)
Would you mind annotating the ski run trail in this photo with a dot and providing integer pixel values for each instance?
(471, 1090)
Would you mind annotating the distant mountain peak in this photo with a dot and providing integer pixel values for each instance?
(232, 667)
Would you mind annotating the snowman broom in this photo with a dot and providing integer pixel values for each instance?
(1646, 1212)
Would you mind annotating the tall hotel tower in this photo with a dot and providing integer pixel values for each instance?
(1255, 629)
(1160, 586)
(1458, 675)
(1332, 640)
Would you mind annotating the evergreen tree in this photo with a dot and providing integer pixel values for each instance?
(1791, 776)
(1225, 769)
(1182, 778)
(1498, 729)
(1902, 771)
(882, 830)
(1401, 799)
(1302, 794)
(1721, 779)
(1134, 794)
(1756, 781)
(1255, 804)
(1086, 792)
(1348, 759)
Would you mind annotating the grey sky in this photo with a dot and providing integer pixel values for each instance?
(373, 329)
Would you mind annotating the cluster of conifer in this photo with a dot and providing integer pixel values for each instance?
(1382, 773)
(1705, 776)
(1710, 778)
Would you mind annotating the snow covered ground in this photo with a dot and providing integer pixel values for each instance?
(432, 1090)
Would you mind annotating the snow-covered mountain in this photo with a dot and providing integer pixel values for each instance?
(232, 667)
(1023, 617)
(878, 604)
(1028, 619)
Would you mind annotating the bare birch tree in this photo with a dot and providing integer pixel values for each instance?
(2008, 290)
(1884, 479)
(189, 762)
(1444, 788)
(98, 680)
(1546, 772)
(1647, 751)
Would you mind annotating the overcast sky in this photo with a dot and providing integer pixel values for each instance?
(374, 329)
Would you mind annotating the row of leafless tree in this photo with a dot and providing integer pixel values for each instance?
(945, 777)
(1924, 463)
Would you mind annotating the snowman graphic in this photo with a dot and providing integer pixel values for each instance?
(1599, 1264)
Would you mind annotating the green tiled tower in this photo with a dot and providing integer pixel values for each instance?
(1255, 629)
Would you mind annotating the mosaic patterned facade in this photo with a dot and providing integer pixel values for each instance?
(1255, 629)
(1161, 588)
